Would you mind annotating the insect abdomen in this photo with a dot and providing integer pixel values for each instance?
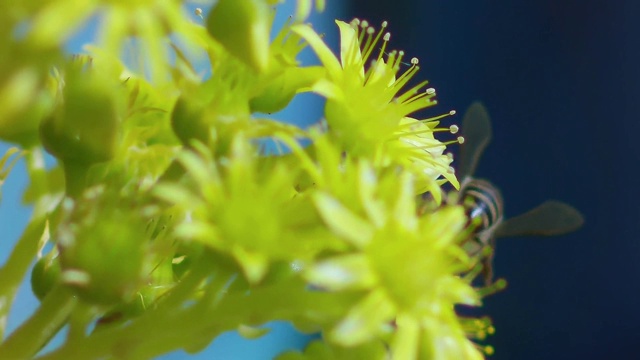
(483, 200)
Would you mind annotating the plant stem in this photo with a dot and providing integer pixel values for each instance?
(34, 333)
(81, 317)
(75, 177)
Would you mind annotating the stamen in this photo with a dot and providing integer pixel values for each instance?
(412, 95)
(437, 145)
(493, 288)
(488, 350)
(365, 41)
(460, 140)
(407, 130)
(198, 13)
(453, 128)
(406, 76)
(368, 48)
(436, 118)
(399, 59)
(407, 127)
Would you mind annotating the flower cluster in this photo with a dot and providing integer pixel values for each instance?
(166, 215)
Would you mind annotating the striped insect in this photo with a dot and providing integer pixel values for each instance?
(485, 206)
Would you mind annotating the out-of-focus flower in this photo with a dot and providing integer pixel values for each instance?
(245, 209)
(151, 21)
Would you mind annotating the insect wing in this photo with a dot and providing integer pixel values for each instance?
(549, 218)
(476, 130)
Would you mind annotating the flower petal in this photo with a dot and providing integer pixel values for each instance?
(364, 320)
(342, 221)
(322, 50)
(368, 184)
(341, 272)
(350, 54)
(405, 343)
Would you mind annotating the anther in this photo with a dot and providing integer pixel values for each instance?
(452, 112)
(384, 24)
(488, 350)
(386, 37)
(460, 140)
(198, 12)
(364, 24)
(454, 129)
(371, 30)
(430, 91)
(414, 61)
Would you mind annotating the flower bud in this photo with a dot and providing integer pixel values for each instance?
(284, 87)
(243, 28)
(187, 121)
(84, 127)
(103, 249)
(45, 274)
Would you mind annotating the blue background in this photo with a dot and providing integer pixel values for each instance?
(561, 82)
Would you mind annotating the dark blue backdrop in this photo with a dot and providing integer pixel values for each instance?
(561, 82)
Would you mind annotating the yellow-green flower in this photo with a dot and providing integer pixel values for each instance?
(250, 211)
(408, 268)
(366, 110)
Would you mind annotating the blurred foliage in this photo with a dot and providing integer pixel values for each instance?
(177, 212)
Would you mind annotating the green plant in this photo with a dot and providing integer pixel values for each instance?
(172, 224)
